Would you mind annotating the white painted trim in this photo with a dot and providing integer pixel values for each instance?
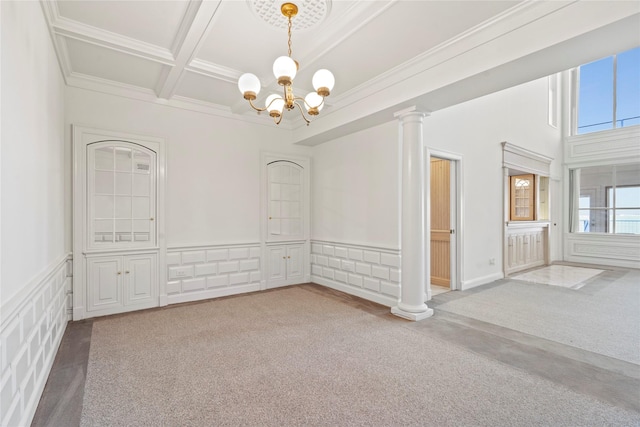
(366, 272)
(385, 249)
(267, 157)
(610, 147)
(212, 293)
(521, 159)
(457, 159)
(479, 281)
(10, 306)
(385, 300)
(38, 316)
(51, 14)
(89, 34)
(603, 249)
(79, 225)
(193, 35)
(200, 272)
(179, 248)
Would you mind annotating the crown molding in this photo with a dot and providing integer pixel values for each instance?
(96, 84)
(50, 12)
(98, 37)
(68, 28)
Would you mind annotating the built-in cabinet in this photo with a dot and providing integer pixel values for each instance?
(118, 282)
(286, 264)
(286, 224)
(527, 230)
(117, 249)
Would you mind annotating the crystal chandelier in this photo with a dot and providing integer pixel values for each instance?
(284, 69)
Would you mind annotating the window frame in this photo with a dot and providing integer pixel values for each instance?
(608, 207)
(575, 98)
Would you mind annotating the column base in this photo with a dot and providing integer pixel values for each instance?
(410, 315)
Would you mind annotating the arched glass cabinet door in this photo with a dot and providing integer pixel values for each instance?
(285, 201)
(121, 195)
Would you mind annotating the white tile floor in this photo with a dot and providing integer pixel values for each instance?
(437, 290)
(559, 275)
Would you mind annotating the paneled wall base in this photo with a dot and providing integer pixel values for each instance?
(368, 272)
(30, 335)
(607, 249)
(202, 272)
(526, 247)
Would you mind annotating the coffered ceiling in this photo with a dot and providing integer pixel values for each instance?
(190, 53)
(195, 51)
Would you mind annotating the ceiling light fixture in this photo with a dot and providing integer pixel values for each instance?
(285, 69)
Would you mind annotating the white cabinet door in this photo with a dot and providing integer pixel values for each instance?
(286, 265)
(285, 199)
(277, 263)
(295, 259)
(139, 278)
(121, 189)
(105, 279)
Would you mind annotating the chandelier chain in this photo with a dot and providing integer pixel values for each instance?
(289, 36)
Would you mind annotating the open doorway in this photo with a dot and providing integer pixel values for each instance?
(442, 223)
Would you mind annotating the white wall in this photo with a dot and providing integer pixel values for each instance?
(33, 283)
(213, 163)
(32, 148)
(355, 188)
(355, 193)
(475, 129)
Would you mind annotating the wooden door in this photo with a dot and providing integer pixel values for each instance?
(440, 222)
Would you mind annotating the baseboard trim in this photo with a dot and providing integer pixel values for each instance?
(212, 293)
(387, 301)
(468, 284)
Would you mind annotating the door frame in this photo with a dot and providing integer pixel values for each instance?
(79, 195)
(457, 208)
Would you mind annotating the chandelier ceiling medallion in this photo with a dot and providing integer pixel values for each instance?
(285, 69)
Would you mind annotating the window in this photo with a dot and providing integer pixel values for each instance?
(606, 199)
(608, 94)
(522, 197)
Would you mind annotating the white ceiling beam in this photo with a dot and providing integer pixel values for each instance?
(187, 45)
(99, 37)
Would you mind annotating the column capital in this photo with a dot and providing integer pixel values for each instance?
(413, 111)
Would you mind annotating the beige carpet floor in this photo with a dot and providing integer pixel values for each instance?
(292, 357)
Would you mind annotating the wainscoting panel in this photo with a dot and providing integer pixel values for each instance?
(30, 333)
(202, 272)
(598, 146)
(526, 247)
(605, 249)
(369, 272)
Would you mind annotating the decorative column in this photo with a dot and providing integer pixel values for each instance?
(412, 287)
